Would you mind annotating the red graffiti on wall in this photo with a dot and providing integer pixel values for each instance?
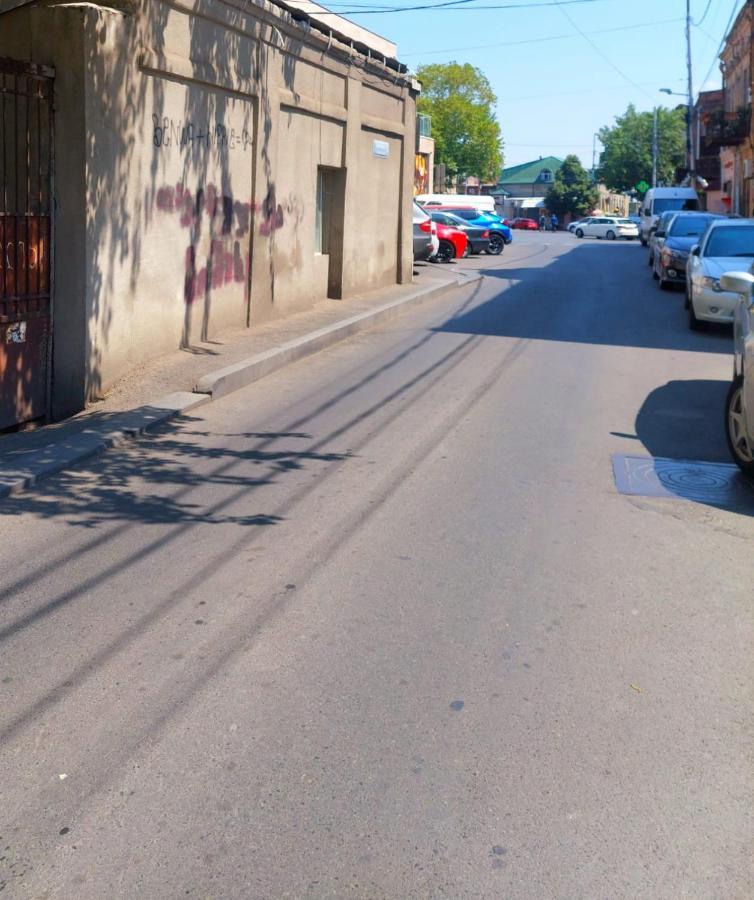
(228, 221)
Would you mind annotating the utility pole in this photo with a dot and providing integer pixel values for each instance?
(689, 112)
(654, 147)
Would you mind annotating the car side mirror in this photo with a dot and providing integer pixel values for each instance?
(696, 250)
(737, 283)
(659, 233)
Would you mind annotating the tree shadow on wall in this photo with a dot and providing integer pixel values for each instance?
(172, 157)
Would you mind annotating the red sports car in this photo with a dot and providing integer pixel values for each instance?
(526, 224)
(453, 242)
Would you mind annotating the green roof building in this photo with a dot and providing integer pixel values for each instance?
(530, 179)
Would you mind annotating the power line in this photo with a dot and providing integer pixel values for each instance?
(450, 6)
(597, 90)
(704, 14)
(722, 42)
(556, 37)
(599, 52)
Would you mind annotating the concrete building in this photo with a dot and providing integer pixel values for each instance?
(526, 186)
(208, 164)
(729, 130)
(707, 110)
(424, 163)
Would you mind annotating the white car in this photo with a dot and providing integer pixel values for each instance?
(608, 227)
(727, 245)
(574, 225)
(739, 405)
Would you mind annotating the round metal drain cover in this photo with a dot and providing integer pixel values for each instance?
(714, 483)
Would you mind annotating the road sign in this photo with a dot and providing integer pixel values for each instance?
(642, 187)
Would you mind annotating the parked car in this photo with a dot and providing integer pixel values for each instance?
(682, 233)
(608, 227)
(423, 243)
(482, 202)
(656, 241)
(500, 234)
(452, 240)
(477, 236)
(665, 199)
(727, 244)
(574, 225)
(524, 223)
(739, 404)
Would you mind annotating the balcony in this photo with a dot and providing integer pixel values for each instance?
(727, 129)
(708, 167)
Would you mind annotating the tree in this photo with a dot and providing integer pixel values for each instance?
(466, 131)
(572, 191)
(627, 157)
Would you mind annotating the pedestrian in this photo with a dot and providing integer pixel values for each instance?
(542, 222)
(554, 222)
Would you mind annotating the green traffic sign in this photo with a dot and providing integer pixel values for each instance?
(642, 187)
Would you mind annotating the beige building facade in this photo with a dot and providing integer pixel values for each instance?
(212, 164)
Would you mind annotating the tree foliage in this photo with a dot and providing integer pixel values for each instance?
(572, 190)
(627, 157)
(466, 131)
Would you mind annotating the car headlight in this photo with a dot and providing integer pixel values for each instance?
(675, 256)
(712, 284)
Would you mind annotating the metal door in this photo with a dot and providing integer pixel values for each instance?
(25, 240)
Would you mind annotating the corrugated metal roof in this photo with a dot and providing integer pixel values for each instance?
(527, 173)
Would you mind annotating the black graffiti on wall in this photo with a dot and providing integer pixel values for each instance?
(167, 132)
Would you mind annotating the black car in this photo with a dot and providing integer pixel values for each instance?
(478, 238)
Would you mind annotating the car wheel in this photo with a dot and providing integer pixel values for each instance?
(610, 235)
(651, 260)
(688, 299)
(735, 428)
(665, 285)
(496, 245)
(643, 242)
(446, 252)
(579, 233)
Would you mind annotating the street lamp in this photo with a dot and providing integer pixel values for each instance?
(689, 101)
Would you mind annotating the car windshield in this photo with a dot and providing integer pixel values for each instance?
(689, 226)
(663, 204)
(456, 220)
(731, 241)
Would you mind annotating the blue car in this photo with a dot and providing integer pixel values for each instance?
(487, 220)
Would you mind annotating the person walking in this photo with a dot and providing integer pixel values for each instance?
(554, 222)
(542, 222)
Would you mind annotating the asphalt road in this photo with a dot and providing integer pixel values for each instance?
(382, 626)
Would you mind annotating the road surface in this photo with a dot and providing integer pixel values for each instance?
(382, 626)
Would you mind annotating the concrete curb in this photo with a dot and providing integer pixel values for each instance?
(231, 378)
(59, 455)
(66, 451)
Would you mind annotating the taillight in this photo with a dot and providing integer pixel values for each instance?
(426, 226)
(485, 234)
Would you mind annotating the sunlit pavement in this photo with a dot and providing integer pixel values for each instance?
(382, 624)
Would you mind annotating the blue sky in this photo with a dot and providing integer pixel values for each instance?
(553, 95)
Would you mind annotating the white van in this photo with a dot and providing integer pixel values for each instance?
(481, 202)
(665, 199)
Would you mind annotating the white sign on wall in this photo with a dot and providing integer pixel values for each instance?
(381, 148)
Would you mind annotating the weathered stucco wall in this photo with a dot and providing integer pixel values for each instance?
(187, 179)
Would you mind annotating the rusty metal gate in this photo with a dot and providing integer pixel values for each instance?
(25, 240)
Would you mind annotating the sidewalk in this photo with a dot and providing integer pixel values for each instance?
(188, 378)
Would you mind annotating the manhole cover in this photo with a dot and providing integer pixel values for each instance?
(719, 484)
